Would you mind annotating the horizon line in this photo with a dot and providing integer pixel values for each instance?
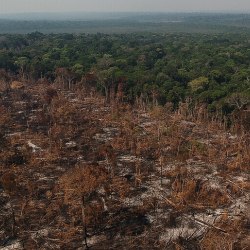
(132, 11)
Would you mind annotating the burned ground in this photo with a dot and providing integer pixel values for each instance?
(78, 173)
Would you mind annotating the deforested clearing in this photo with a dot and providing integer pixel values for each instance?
(79, 172)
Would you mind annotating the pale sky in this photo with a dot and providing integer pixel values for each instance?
(14, 6)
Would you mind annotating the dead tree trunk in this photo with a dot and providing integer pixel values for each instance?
(85, 243)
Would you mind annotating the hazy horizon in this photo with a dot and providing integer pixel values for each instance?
(101, 6)
(118, 15)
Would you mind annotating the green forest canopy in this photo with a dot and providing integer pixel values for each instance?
(208, 67)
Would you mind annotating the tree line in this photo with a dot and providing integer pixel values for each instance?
(158, 68)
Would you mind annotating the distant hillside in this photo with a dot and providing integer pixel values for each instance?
(124, 22)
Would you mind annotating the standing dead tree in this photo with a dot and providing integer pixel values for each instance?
(79, 185)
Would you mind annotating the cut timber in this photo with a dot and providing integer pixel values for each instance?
(208, 224)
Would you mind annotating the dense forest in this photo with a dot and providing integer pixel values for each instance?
(210, 69)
